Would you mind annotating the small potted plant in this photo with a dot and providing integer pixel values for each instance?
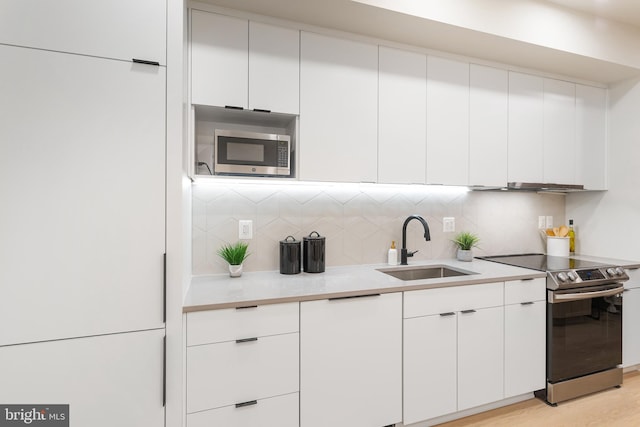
(465, 241)
(234, 254)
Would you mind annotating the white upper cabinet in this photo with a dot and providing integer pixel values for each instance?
(338, 109)
(219, 60)
(559, 132)
(120, 29)
(488, 119)
(447, 121)
(82, 174)
(274, 68)
(242, 64)
(526, 119)
(402, 127)
(591, 137)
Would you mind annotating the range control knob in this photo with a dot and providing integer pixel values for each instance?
(562, 277)
(620, 271)
(572, 276)
(611, 272)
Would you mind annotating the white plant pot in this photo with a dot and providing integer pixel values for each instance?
(235, 270)
(465, 255)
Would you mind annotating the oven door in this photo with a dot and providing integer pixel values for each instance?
(584, 331)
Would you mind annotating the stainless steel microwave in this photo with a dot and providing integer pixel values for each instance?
(251, 153)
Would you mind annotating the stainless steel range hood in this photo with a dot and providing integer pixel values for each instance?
(537, 186)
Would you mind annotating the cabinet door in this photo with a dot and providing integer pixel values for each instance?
(524, 353)
(121, 372)
(559, 131)
(591, 137)
(338, 109)
(430, 367)
(351, 361)
(402, 127)
(488, 120)
(447, 121)
(274, 68)
(631, 327)
(82, 175)
(219, 60)
(121, 29)
(526, 120)
(480, 357)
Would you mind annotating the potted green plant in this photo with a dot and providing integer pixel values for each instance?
(234, 254)
(465, 240)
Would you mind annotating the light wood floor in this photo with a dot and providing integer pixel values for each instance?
(616, 407)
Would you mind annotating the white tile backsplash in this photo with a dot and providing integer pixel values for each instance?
(360, 221)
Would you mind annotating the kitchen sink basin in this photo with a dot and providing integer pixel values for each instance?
(425, 272)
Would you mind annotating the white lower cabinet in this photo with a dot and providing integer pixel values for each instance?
(351, 361)
(631, 320)
(243, 366)
(107, 380)
(524, 336)
(453, 349)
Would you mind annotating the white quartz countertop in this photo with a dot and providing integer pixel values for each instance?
(270, 287)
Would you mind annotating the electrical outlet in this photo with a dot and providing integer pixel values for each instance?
(549, 221)
(245, 229)
(542, 221)
(448, 224)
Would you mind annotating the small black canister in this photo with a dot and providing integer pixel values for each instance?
(313, 259)
(290, 255)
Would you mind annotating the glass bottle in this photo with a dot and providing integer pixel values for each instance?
(572, 237)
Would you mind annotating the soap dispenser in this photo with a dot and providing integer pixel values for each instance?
(392, 258)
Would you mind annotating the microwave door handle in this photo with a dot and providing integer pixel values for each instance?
(585, 295)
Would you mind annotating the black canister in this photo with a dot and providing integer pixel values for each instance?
(313, 258)
(290, 255)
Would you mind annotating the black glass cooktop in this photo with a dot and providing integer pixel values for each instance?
(542, 262)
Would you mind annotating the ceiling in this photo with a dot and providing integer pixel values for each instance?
(356, 17)
(626, 11)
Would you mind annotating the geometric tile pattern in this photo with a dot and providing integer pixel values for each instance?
(360, 221)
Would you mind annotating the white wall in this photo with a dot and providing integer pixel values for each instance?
(360, 221)
(608, 223)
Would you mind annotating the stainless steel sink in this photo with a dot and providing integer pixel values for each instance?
(425, 272)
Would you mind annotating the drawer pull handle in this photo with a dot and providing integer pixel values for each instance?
(145, 61)
(528, 278)
(246, 340)
(248, 403)
(354, 296)
(246, 306)
(233, 107)
(468, 311)
(261, 110)
(451, 313)
(526, 303)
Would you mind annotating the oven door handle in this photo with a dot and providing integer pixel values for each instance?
(555, 297)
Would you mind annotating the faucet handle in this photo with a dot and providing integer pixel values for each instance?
(411, 253)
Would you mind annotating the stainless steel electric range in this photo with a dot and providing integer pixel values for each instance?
(584, 323)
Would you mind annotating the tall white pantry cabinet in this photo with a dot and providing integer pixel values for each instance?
(82, 180)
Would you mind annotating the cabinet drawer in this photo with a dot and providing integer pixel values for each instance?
(281, 411)
(634, 278)
(519, 291)
(456, 298)
(229, 373)
(204, 327)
